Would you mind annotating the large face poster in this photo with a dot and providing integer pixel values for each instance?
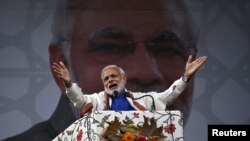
(150, 40)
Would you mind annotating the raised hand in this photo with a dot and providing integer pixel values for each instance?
(193, 66)
(62, 72)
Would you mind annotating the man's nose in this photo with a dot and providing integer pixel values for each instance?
(142, 67)
(110, 80)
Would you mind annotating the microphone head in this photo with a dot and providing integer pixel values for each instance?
(115, 93)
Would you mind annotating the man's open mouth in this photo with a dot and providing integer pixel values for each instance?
(113, 86)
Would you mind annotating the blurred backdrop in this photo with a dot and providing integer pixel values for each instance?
(28, 93)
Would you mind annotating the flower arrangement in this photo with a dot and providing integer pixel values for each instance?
(127, 131)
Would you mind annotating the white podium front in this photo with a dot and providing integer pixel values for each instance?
(94, 126)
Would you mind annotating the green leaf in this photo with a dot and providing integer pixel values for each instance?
(59, 139)
(151, 130)
(70, 132)
(111, 131)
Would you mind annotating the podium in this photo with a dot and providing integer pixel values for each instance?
(99, 125)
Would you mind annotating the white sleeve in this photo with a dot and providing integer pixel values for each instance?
(75, 95)
(170, 95)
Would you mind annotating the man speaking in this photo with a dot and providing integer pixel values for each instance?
(115, 95)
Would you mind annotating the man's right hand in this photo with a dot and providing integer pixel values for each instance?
(62, 72)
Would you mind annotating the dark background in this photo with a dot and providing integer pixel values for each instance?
(28, 93)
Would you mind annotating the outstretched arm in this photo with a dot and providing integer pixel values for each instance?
(62, 72)
(193, 66)
(170, 95)
(73, 92)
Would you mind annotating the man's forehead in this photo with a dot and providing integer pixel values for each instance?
(110, 70)
(128, 4)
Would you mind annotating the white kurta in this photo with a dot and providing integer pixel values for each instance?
(100, 101)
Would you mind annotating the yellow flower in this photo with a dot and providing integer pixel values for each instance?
(128, 137)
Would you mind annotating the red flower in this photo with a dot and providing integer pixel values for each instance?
(141, 138)
(79, 136)
(170, 128)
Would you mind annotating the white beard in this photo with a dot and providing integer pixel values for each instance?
(119, 88)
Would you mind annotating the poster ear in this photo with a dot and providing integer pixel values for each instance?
(57, 55)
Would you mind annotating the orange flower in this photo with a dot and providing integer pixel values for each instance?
(128, 137)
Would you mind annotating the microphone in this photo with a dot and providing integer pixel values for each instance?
(153, 102)
(115, 93)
